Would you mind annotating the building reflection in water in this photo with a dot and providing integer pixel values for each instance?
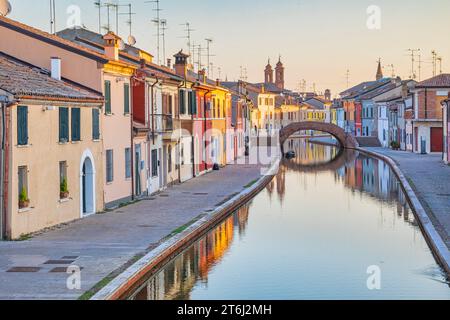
(194, 271)
(176, 280)
(358, 172)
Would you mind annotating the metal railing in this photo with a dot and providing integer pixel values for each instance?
(161, 123)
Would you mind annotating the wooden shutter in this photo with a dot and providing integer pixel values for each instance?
(108, 97)
(95, 124)
(182, 102)
(126, 94)
(22, 125)
(63, 124)
(76, 134)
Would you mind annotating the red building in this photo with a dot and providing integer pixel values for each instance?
(358, 118)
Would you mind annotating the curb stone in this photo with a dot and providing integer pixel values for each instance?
(437, 244)
(128, 279)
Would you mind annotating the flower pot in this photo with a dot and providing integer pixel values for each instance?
(64, 195)
(24, 204)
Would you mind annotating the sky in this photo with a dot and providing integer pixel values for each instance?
(318, 40)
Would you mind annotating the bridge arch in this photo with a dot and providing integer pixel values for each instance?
(346, 140)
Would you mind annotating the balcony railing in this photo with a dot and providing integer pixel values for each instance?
(161, 123)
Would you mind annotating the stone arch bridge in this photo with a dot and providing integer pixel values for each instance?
(346, 140)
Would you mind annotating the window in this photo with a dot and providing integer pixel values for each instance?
(22, 125)
(169, 159)
(23, 183)
(63, 178)
(170, 105)
(192, 102)
(63, 125)
(76, 125)
(95, 124)
(182, 102)
(127, 163)
(108, 97)
(155, 163)
(109, 166)
(126, 97)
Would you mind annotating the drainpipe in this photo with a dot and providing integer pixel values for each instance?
(2, 171)
(153, 114)
(183, 84)
(133, 194)
(205, 128)
(193, 140)
(4, 102)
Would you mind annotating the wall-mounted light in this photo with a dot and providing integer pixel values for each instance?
(49, 108)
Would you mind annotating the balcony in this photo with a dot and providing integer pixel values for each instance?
(161, 123)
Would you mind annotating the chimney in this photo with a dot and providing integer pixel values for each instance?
(218, 82)
(143, 63)
(181, 64)
(56, 68)
(111, 46)
(169, 63)
(202, 76)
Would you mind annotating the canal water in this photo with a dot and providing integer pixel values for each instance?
(329, 226)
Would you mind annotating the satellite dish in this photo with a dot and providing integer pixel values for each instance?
(121, 45)
(131, 40)
(5, 8)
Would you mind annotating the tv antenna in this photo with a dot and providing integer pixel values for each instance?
(347, 77)
(130, 13)
(157, 21)
(163, 34)
(208, 53)
(188, 31)
(52, 17)
(413, 61)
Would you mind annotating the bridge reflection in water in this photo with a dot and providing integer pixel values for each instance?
(322, 221)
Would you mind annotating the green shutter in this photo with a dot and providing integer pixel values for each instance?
(22, 125)
(190, 102)
(194, 102)
(126, 88)
(182, 102)
(76, 130)
(63, 124)
(108, 97)
(95, 124)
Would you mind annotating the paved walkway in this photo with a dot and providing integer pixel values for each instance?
(430, 179)
(103, 243)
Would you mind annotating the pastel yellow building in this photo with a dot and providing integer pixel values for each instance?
(53, 160)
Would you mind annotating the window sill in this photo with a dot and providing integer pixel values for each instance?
(109, 183)
(63, 143)
(24, 210)
(25, 146)
(64, 200)
(109, 114)
(126, 115)
(96, 140)
(77, 142)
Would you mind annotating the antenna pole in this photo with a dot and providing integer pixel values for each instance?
(208, 44)
(347, 76)
(52, 17)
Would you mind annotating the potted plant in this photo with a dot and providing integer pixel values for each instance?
(24, 202)
(395, 145)
(63, 189)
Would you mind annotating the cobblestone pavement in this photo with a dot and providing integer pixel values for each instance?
(103, 243)
(430, 179)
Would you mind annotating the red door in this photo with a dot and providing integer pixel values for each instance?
(437, 139)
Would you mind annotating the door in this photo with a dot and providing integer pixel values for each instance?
(87, 188)
(137, 170)
(416, 139)
(437, 140)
